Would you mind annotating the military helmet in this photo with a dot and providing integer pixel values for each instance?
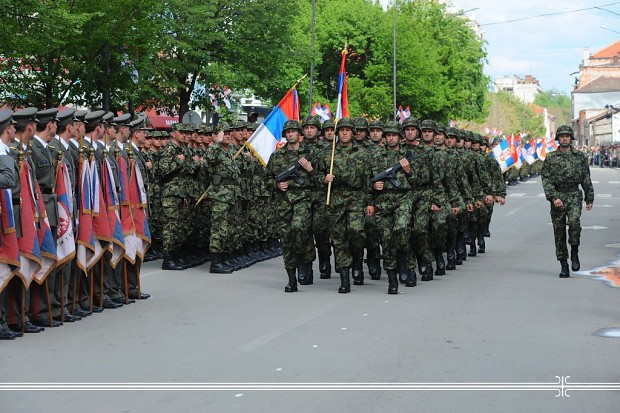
(345, 123)
(496, 139)
(469, 136)
(564, 130)
(377, 124)
(452, 132)
(329, 123)
(392, 126)
(311, 120)
(428, 124)
(411, 122)
(441, 128)
(361, 123)
(291, 124)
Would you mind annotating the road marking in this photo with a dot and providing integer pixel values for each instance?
(541, 194)
(614, 182)
(604, 206)
(595, 182)
(516, 194)
(530, 182)
(603, 195)
(594, 227)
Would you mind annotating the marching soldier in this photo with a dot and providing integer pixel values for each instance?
(564, 170)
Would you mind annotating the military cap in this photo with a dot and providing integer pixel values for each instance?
(291, 124)
(122, 120)
(460, 134)
(452, 132)
(136, 124)
(94, 117)
(208, 129)
(177, 126)
(377, 124)
(66, 116)
(428, 124)
(107, 118)
(26, 115)
(441, 128)
(6, 119)
(329, 123)
(484, 140)
(411, 122)
(392, 126)
(564, 130)
(164, 134)
(311, 120)
(345, 123)
(361, 123)
(223, 126)
(187, 127)
(252, 126)
(79, 115)
(47, 115)
(239, 124)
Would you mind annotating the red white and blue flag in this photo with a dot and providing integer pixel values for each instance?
(46, 241)
(65, 241)
(132, 242)
(29, 250)
(323, 111)
(9, 248)
(113, 213)
(504, 155)
(342, 110)
(529, 152)
(139, 203)
(264, 141)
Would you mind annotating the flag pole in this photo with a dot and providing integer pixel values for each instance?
(331, 162)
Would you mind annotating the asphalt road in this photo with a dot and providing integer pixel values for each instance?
(503, 317)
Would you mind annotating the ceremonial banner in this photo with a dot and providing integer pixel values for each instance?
(9, 249)
(65, 242)
(113, 213)
(342, 109)
(529, 152)
(138, 204)
(46, 241)
(132, 242)
(28, 243)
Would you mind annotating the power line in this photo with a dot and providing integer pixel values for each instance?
(609, 11)
(551, 14)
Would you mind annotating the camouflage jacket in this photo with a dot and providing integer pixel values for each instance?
(282, 159)
(564, 171)
(224, 173)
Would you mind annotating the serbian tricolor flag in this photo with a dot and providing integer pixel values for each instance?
(46, 241)
(65, 241)
(264, 141)
(113, 213)
(139, 204)
(101, 226)
(529, 152)
(132, 242)
(342, 110)
(552, 145)
(503, 155)
(541, 149)
(29, 250)
(9, 249)
(514, 143)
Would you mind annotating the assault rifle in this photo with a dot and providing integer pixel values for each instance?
(389, 174)
(292, 172)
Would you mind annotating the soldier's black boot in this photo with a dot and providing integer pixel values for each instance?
(472, 248)
(218, 265)
(292, 280)
(358, 270)
(481, 243)
(574, 258)
(302, 274)
(345, 282)
(401, 265)
(232, 262)
(487, 232)
(374, 264)
(451, 265)
(461, 252)
(427, 274)
(412, 278)
(441, 264)
(170, 263)
(564, 273)
(308, 274)
(325, 266)
(392, 282)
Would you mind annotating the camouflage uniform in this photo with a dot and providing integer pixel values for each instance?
(562, 173)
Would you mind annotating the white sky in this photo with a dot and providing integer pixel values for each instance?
(549, 47)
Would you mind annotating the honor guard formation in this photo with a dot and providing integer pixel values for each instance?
(414, 200)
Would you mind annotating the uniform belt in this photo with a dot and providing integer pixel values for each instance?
(421, 187)
(571, 188)
(346, 188)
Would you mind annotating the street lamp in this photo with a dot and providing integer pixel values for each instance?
(611, 30)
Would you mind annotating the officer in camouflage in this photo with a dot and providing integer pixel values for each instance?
(562, 173)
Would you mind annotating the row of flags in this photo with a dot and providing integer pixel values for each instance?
(105, 221)
(512, 151)
(403, 114)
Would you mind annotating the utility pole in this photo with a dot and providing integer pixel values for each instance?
(394, 58)
(311, 102)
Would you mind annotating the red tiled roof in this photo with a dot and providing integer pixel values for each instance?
(600, 84)
(608, 52)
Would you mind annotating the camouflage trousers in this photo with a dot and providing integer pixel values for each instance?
(346, 221)
(420, 223)
(320, 225)
(261, 219)
(439, 227)
(294, 228)
(175, 218)
(223, 226)
(393, 221)
(569, 214)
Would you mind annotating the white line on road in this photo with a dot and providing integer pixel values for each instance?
(603, 195)
(516, 194)
(614, 182)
